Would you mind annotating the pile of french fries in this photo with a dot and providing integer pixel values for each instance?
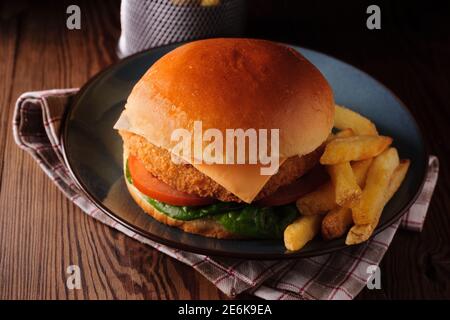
(365, 172)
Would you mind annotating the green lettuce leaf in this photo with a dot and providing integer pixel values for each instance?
(128, 174)
(259, 222)
(191, 213)
(241, 219)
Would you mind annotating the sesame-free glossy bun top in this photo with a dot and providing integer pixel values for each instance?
(234, 83)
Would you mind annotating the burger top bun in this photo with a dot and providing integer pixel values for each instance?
(233, 83)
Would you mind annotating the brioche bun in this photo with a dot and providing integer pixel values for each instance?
(234, 83)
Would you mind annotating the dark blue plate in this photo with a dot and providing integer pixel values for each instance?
(93, 152)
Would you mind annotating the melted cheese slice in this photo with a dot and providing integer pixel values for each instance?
(243, 180)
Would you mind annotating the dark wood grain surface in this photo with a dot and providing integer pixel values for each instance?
(41, 232)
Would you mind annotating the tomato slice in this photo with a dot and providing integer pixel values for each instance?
(291, 192)
(149, 185)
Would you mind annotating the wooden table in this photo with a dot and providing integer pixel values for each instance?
(41, 232)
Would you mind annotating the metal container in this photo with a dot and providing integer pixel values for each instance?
(153, 23)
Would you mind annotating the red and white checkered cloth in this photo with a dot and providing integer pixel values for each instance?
(339, 275)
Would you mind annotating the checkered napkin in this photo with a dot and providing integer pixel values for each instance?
(339, 275)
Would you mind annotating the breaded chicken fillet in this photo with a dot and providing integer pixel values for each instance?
(186, 178)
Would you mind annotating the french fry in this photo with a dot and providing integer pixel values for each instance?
(346, 118)
(354, 148)
(377, 182)
(301, 231)
(360, 169)
(319, 201)
(346, 188)
(360, 233)
(341, 134)
(323, 198)
(345, 133)
(336, 223)
(397, 178)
